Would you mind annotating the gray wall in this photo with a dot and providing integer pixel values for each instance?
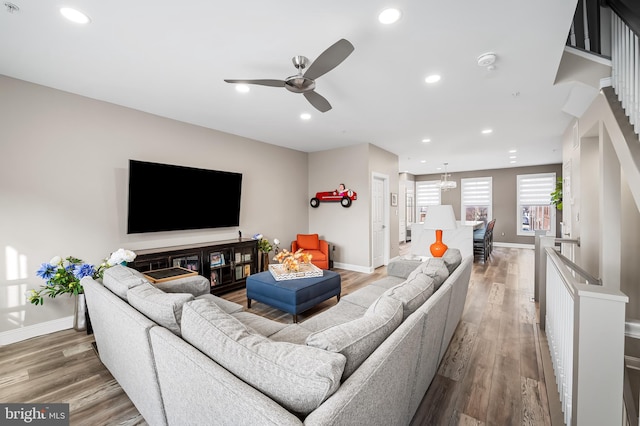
(504, 198)
(349, 229)
(63, 186)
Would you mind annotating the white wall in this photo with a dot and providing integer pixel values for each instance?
(610, 241)
(63, 186)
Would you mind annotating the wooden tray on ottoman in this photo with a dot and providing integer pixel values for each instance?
(168, 274)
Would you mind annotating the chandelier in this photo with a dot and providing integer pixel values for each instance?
(445, 184)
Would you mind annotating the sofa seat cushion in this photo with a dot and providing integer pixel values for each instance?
(365, 296)
(298, 377)
(258, 324)
(413, 292)
(358, 338)
(452, 259)
(343, 311)
(388, 282)
(163, 308)
(226, 305)
(292, 333)
(119, 279)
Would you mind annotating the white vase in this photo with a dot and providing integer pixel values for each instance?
(80, 313)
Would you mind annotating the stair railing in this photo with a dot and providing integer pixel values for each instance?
(585, 329)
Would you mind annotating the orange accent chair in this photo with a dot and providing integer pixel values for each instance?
(311, 243)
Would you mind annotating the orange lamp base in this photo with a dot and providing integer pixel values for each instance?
(438, 248)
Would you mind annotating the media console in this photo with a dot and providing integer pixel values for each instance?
(226, 264)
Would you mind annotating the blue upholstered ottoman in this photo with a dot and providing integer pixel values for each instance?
(292, 296)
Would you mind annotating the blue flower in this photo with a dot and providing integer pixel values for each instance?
(46, 271)
(83, 270)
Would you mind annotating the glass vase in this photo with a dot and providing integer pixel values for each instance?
(80, 313)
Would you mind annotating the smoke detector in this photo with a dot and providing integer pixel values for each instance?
(486, 59)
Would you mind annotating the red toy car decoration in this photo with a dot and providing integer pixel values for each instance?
(345, 197)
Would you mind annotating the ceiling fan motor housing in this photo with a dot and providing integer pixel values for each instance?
(299, 84)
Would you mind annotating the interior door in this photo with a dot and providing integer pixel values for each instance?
(378, 222)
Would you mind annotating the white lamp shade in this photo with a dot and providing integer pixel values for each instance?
(440, 217)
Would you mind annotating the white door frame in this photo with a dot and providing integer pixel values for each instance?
(385, 220)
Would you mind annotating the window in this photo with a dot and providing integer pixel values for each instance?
(476, 199)
(535, 212)
(427, 194)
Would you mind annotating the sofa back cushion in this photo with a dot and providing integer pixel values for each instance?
(298, 377)
(436, 268)
(308, 241)
(452, 259)
(163, 308)
(119, 279)
(413, 292)
(357, 339)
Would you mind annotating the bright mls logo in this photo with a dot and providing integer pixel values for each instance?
(34, 414)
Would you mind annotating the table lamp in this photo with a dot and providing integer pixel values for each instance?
(439, 217)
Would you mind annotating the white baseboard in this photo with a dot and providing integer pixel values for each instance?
(355, 268)
(30, 331)
(516, 245)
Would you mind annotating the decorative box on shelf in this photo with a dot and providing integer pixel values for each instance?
(307, 270)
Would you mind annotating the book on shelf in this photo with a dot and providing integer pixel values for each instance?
(216, 259)
(238, 257)
(246, 257)
(247, 270)
(239, 271)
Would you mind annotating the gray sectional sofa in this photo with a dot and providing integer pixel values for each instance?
(186, 357)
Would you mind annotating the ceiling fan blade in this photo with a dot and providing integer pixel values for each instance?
(329, 59)
(318, 101)
(272, 83)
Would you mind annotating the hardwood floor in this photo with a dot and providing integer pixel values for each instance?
(492, 373)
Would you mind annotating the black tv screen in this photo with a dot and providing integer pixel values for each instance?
(164, 197)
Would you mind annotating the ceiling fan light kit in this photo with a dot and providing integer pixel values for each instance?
(305, 83)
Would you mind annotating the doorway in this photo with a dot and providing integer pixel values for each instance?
(379, 220)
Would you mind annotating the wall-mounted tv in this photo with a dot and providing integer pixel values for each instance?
(164, 197)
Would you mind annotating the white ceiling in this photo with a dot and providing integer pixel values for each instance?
(170, 59)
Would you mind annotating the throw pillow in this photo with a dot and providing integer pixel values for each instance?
(163, 308)
(298, 377)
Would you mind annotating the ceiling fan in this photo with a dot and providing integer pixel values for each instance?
(306, 83)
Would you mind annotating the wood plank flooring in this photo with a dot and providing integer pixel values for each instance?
(492, 373)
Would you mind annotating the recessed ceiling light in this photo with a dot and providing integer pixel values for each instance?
(305, 116)
(513, 151)
(423, 161)
(434, 78)
(426, 140)
(74, 15)
(242, 88)
(487, 131)
(389, 16)
(512, 162)
(512, 157)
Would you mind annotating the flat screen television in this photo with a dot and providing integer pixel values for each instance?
(164, 197)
